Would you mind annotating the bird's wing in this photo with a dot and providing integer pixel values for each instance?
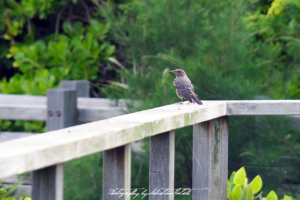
(184, 87)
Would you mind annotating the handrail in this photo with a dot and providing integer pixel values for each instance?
(114, 135)
(82, 140)
(69, 143)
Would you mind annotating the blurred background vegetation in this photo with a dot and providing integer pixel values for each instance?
(230, 49)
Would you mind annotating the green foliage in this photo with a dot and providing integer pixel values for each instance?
(17, 13)
(279, 27)
(83, 178)
(6, 191)
(19, 126)
(45, 63)
(239, 189)
(226, 57)
(208, 42)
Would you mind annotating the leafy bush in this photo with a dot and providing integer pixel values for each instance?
(279, 26)
(238, 188)
(45, 63)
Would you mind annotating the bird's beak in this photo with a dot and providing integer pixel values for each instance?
(172, 71)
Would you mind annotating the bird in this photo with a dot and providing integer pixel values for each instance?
(184, 87)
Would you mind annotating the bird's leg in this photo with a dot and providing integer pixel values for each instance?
(180, 101)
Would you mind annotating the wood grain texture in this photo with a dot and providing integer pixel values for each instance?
(210, 159)
(116, 172)
(39, 151)
(47, 183)
(263, 107)
(200, 161)
(43, 185)
(162, 153)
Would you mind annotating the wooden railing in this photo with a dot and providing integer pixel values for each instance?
(45, 153)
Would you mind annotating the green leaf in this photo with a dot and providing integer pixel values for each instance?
(68, 28)
(256, 184)
(229, 195)
(247, 193)
(95, 27)
(2, 192)
(6, 36)
(230, 182)
(272, 196)
(239, 177)
(231, 177)
(110, 50)
(287, 198)
(237, 192)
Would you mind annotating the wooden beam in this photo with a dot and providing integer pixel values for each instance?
(47, 183)
(210, 159)
(23, 112)
(162, 153)
(263, 107)
(23, 107)
(6, 136)
(39, 151)
(89, 114)
(116, 172)
(16, 99)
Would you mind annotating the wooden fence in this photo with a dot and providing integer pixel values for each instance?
(45, 153)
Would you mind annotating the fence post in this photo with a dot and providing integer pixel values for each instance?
(116, 172)
(210, 159)
(82, 87)
(162, 155)
(47, 183)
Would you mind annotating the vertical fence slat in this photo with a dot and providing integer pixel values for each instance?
(200, 161)
(210, 159)
(47, 183)
(162, 152)
(116, 172)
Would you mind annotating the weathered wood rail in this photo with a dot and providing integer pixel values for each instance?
(45, 153)
(25, 107)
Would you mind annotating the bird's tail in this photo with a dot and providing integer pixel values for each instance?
(195, 99)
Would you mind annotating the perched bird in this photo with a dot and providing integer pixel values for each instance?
(184, 87)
